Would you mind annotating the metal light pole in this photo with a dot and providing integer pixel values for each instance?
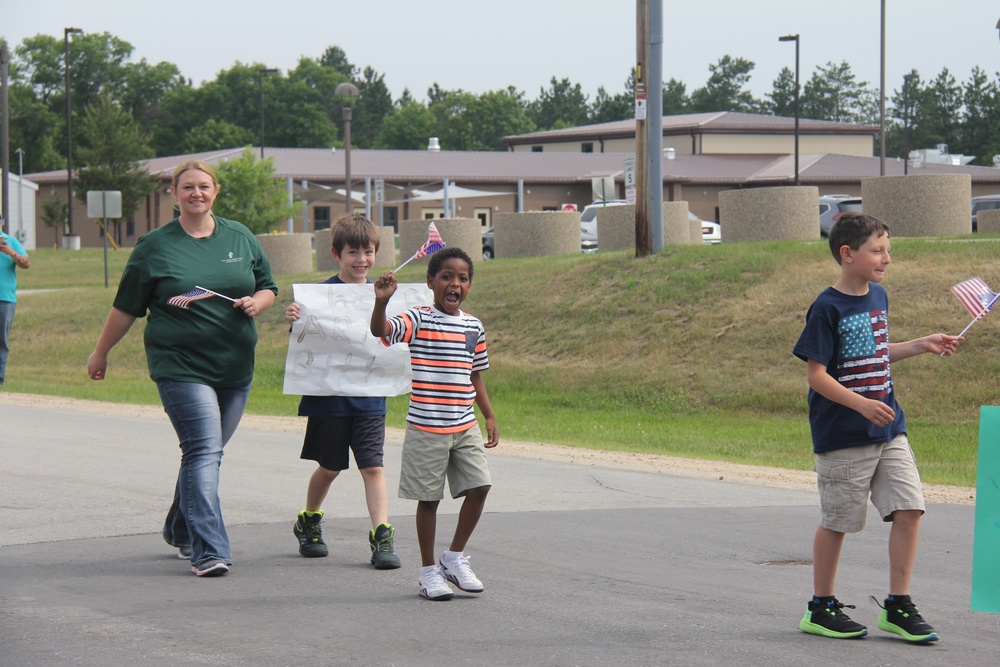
(347, 90)
(881, 100)
(907, 78)
(20, 193)
(262, 73)
(69, 130)
(795, 38)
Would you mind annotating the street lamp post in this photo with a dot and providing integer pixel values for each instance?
(20, 193)
(347, 90)
(881, 99)
(262, 73)
(795, 38)
(69, 130)
(907, 78)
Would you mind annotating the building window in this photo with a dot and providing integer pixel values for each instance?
(130, 228)
(587, 147)
(536, 149)
(321, 218)
(485, 215)
(431, 213)
(391, 217)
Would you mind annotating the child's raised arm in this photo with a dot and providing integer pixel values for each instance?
(385, 287)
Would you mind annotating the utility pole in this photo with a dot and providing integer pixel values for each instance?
(643, 238)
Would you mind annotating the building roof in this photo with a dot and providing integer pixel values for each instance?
(719, 122)
(418, 168)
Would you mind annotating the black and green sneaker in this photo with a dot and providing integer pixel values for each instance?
(901, 616)
(307, 529)
(383, 554)
(824, 617)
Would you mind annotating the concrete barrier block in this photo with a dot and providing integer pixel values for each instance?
(770, 214)
(616, 228)
(921, 204)
(537, 233)
(676, 225)
(288, 253)
(988, 222)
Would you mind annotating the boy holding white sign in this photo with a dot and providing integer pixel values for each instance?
(337, 425)
(448, 354)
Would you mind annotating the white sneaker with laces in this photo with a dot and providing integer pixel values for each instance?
(456, 570)
(433, 586)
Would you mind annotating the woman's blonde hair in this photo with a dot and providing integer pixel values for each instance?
(187, 165)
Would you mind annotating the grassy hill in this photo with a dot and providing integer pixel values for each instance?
(685, 353)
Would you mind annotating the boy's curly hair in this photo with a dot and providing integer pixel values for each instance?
(438, 258)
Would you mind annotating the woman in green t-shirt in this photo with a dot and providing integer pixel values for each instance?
(200, 336)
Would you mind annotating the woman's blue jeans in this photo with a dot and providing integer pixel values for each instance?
(205, 419)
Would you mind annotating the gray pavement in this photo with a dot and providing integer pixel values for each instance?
(583, 565)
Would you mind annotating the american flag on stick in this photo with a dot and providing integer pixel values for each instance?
(198, 293)
(976, 296)
(433, 244)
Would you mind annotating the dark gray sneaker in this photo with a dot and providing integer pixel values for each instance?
(383, 554)
(307, 529)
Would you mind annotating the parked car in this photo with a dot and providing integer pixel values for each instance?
(831, 207)
(984, 203)
(488, 252)
(711, 232)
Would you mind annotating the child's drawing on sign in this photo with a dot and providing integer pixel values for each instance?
(332, 353)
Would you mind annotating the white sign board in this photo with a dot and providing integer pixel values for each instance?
(379, 191)
(331, 351)
(104, 204)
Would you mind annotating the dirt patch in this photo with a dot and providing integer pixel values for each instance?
(799, 480)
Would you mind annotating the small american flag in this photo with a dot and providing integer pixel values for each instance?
(976, 296)
(433, 244)
(184, 300)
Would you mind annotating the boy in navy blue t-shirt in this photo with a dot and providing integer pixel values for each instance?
(859, 430)
(338, 425)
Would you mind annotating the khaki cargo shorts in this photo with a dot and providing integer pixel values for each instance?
(429, 457)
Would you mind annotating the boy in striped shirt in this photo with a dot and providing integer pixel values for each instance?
(447, 354)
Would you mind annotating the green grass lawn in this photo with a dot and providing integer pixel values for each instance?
(687, 353)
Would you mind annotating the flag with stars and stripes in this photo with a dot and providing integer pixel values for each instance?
(184, 300)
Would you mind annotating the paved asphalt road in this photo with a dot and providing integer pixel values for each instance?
(583, 565)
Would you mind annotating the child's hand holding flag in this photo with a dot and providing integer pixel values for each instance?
(433, 244)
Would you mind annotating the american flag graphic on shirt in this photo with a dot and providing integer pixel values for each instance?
(863, 365)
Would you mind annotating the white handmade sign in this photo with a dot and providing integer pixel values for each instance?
(331, 351)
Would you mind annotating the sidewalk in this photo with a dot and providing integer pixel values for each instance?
(583, 565)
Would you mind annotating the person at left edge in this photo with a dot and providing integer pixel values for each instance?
(201, 357)
(12, 257)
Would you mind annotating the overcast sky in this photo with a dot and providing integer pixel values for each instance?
(482, 45)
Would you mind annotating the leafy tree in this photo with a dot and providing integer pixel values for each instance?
(408, 128)
(782, 96)
(374, 103)
(607, 108)
(903, 116)
(335, 59)
(466, 122)
(55, 214)
(215, 135)
(111, 146)
(981, 120)
(832, 93)
(563, 104)
(675, 98)
(251, 194)
(726, 88)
